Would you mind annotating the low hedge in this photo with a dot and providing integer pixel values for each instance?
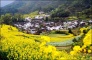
(60, 32)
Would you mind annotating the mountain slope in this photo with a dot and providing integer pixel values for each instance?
(84, 7)
(30, 6)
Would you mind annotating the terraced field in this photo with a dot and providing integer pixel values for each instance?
(16, 45)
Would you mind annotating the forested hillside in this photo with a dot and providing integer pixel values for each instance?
(59, 8)
(30, 6)
(80, 8)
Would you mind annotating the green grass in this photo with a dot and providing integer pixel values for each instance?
(64, 43)
(56, 35)
(32, 15)
(72, 18)
(59, 37)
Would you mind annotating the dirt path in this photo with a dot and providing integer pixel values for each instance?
(63, 47)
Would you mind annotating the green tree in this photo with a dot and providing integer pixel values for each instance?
(1, 19)
(7, 18)
(17, 17)
(61, 14)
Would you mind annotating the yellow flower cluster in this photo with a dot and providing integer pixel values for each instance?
(76, 50)
(88, 39)
(46, 38)
(87, 43)
(81, 29)
(21, 46)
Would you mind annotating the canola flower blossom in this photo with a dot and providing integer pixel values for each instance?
(77, 48)
(88, 39)
(45, 38)
(87, 42)
(21, 46)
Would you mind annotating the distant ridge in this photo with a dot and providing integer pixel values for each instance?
(22, 6)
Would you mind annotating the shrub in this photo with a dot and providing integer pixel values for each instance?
(62, 32)
(84, 31)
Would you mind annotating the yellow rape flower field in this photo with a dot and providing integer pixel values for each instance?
(15, 45)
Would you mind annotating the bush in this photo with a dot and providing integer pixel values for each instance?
(84, 31)
(62, 32)
(74, 40)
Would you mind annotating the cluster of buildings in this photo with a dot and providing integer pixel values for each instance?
(39, 25)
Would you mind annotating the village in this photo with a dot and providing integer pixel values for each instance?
(46, 30)
(38, 25)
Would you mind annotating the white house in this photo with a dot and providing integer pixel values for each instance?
(41, 12)
(39, 17)
(28, 19)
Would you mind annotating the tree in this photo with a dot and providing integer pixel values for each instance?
(7, 18)
(1, 19)
(17, 17)
(61, 14)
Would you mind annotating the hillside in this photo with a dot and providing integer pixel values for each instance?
(59, 8)
(81, 9)
(30, 6)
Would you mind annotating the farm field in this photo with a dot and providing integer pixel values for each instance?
(46, 30)
(16, 45)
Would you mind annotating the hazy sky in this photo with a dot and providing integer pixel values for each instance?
(5, 2)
